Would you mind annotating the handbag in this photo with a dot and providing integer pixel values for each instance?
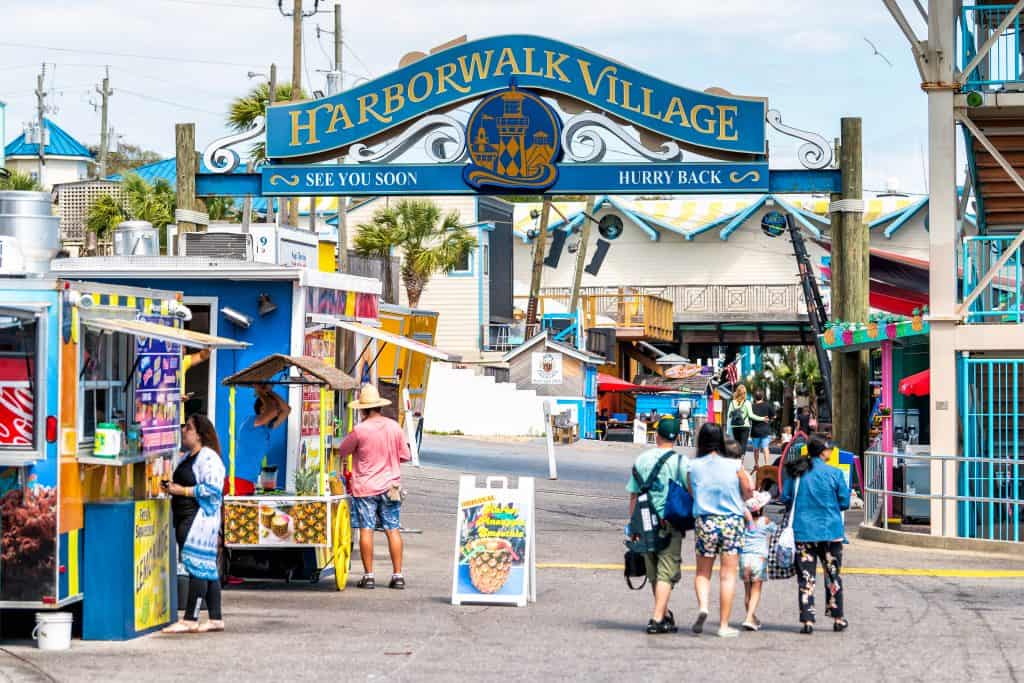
(634, 567)
(679, 505)
(785, 548)
(774, 571)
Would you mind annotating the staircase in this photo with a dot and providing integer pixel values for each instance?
(1000, 201)
(461, 401)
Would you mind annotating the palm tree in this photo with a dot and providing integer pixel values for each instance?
(429, 242)
(16, 180)
(143, 202)
(244, 111)
(221, 209)
(103, 216)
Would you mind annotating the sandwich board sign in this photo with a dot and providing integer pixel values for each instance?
(495, 543)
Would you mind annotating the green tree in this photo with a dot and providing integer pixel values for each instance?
(16, 180)
(103, 215)
(244, 110)
(429, 242)
(126, 157)
(222, 209)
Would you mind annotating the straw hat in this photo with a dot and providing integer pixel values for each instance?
(369, 397)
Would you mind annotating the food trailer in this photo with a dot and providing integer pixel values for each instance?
(90, 413)
(316, 514)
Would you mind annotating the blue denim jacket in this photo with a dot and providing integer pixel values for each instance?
(822, 497)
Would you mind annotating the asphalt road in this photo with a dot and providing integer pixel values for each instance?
(954, 625)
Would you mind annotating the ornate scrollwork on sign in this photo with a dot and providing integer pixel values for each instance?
(220, 158)
(437, 132)
(583, 141)
(815, 153)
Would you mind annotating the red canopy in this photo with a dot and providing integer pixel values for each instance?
(614, 384)
(918, 384)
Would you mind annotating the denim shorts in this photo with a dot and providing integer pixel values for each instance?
(374, 512)
(760, 442)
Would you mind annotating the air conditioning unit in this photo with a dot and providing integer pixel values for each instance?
(221, 245)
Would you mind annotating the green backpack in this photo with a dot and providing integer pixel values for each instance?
(645, 523)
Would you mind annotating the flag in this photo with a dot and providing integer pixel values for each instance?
(732, 372)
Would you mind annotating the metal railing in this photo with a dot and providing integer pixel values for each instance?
(1001, 67)
(993, 515)
(504, 337)
(1000, 301)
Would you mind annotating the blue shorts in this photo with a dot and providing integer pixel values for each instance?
(760, 442)
(374, 512)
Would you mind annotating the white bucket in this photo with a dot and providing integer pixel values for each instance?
(53, 630)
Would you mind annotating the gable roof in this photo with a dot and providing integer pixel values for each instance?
(582, 356)
(60, 144)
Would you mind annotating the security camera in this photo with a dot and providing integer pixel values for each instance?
(236, 318)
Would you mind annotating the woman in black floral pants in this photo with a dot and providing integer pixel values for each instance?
(818, 530)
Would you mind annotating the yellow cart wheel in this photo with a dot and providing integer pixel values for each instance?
(342, 544)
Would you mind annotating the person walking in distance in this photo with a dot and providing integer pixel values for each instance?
(741, 416)
(378, 448)
(662, 566)
(761, 431)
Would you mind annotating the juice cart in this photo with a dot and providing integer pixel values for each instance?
(315, 516)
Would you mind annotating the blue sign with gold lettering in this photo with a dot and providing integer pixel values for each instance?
(514, 142)
(704, 120)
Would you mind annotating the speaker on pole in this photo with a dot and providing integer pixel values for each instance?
(599, 253)
(558, 238)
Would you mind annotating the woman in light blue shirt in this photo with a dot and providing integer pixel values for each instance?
(817, 529)
(719, 485)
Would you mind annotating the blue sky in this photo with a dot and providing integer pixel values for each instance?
(808, 57)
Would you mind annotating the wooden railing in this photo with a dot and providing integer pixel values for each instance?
(645, 315)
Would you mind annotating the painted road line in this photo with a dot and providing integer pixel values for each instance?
(868, 571)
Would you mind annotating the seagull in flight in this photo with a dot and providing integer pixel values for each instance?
(877, 52)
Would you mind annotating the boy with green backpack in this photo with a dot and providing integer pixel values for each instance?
(659, 542)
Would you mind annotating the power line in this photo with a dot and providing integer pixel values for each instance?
(171, 103)
(207, 3)
(344, 44)
(124, 54)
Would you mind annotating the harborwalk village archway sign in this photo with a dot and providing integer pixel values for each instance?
(543, 117)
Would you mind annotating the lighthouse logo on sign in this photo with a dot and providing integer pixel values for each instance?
(514, 142)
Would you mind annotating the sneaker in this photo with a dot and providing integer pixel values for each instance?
(397, 582)
(657, 627)
(367, 582)
(669, 617)
(727, 632)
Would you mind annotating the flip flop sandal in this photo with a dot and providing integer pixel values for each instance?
(180, 627)
(211, 626)
(747, 626)
(698, 626)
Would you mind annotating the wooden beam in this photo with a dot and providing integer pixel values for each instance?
(643, 359)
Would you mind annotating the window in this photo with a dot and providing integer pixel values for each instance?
(464, 266)
(21, 381)
(106, 361)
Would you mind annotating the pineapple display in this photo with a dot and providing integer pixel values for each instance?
(490, 560)
(241, 523)
(310, 523)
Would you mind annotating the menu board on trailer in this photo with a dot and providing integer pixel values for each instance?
(494, 543)
(151, 564)
(319, 344)
(158, 390)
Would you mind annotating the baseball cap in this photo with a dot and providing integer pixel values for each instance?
(668, 428)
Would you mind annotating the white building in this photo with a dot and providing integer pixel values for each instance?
(66, 159)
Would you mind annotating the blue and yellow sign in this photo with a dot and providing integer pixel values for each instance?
(701, 120)
(514, 142)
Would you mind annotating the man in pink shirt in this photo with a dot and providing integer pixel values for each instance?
(377, 445)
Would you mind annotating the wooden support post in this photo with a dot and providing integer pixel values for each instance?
(581, 255)
(539, 244)
(850, 281)
(187, 162)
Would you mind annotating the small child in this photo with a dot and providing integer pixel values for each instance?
(787, 434)
(754, 555)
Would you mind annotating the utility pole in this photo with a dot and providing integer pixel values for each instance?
(105, 93)
(271, 98)
(40, 112)
(296, 17)
(850, 303)
(539, 245)
(187, 161)
(581, 254)
(334, 86)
